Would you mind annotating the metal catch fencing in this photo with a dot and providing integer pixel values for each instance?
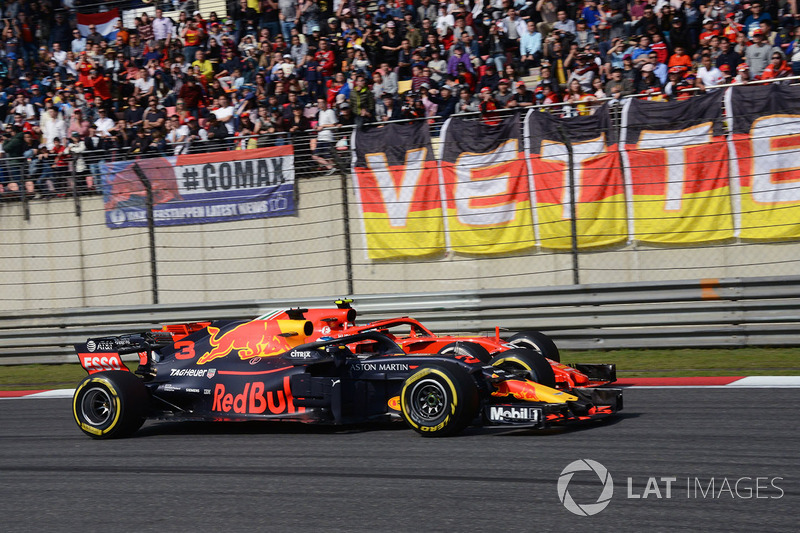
(61, 253)
(679, 314)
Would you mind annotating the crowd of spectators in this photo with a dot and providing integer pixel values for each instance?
(271, 72)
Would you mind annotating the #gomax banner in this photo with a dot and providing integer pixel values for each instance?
(600, 217)
(677, 170)
(765, 136)
(201, 188)
(486, 187)
(396, 185)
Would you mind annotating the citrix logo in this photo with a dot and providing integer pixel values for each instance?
(587, 509)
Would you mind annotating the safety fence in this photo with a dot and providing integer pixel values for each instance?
(681, 314)
(685, 205)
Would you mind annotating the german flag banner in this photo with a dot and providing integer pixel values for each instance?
(397, 190)
(600, 213)
(677, 170)
(486, 187)
(765, 136)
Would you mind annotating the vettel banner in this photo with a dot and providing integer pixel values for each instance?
(677, 170)
(396, 186)
(599, 187)
(201, 188)
(765, 136)
(486, 187)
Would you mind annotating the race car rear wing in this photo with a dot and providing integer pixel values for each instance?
(103, 353)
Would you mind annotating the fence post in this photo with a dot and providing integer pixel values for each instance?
(348, 251)
(75, 190)
(573, 219)
(150, 229)
(23, 188)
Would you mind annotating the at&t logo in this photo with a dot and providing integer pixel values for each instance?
(586, 509)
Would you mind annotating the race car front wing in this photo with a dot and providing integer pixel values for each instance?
(592, 404)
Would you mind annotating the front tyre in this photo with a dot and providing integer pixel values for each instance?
(110, 404)
(470, 349)
(538, 342)
(536, 367)
(439, 400)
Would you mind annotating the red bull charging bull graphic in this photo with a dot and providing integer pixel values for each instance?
(257, 338)
(521, 390)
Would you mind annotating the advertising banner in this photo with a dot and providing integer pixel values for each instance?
(201, 188)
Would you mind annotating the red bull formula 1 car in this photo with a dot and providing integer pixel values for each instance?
(267, 370)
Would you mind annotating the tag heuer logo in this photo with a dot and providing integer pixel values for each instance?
(211, 372)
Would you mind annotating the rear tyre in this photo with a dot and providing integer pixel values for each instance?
(537, 367)
(471, 349)
(538, 342)
(439, 400)
(110, 404)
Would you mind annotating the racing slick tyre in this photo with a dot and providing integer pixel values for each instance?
(439, 400)
(539, 369)
(538, 342)
(110, 404)
(471, 349)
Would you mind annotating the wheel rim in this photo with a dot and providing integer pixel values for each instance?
(428, 399)
(97, 407)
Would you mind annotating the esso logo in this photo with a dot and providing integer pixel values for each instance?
(101, 362)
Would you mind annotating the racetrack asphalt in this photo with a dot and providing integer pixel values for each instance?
(285, 477)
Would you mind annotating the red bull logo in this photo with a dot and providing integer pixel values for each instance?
(255, 400)
(521, 390)
(257, 338)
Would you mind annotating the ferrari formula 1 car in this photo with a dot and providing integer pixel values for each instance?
(266, 370)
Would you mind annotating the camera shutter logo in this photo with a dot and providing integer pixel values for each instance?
(585, 465)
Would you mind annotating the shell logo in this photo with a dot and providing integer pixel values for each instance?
(394, 403)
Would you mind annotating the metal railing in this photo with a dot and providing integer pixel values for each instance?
(731, 312)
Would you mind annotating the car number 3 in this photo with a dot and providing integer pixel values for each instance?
(186, 350)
